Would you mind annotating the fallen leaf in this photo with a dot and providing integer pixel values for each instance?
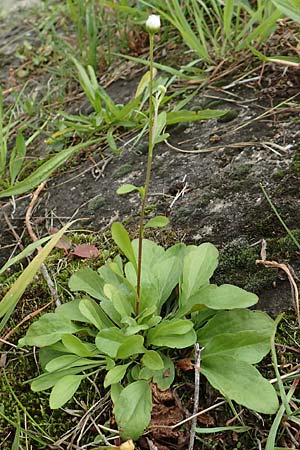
(185, 364)
(206, 419)
(86, 251)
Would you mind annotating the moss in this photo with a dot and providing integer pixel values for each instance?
(239, 171)
(238, 266)
(279, 174)
(96, 203)
(238, 262)
(295, 164)
(19, 369)
(284, 248)
(122, 171)
(51, 423)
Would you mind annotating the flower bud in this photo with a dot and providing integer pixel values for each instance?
(153, 23)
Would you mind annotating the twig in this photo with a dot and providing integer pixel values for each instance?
(182, 422)
(151, 445)
(29, 213)
(14, 233)
(34, 238)
(287, 375)
(180, 193)
(294, 287)
(288, 347)
(5, 338)
(3, 341)
(196, 395)
(269, 145)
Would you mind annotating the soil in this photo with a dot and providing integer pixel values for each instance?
(207, 180)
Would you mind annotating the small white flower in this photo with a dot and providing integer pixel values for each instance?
(153, 23)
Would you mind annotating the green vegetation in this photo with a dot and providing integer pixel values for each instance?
(129, 315)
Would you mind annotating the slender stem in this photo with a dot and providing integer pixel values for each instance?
(147, 182)
(196, 396)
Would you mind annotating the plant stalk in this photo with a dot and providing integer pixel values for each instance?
(147, 182)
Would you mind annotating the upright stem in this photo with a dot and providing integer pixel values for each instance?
(147, 182)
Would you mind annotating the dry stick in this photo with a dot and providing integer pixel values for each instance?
(34, 238)
(150, 444)
(14, 233)
(196, 395)
(232, 145)
(294, 288)
(28, 317)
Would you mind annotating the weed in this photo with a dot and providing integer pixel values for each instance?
(134, 313)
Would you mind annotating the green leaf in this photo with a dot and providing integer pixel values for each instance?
(46, 354)
(44, 171)
(286, 60)
(166, 276)
(160, 125)
(47, 380)
(241, 382)
(235, 321)
(17, 157)
(87, 81)
(131, 346)
(122, 303)
(24, 253)
(47, 330)
(115, 392)
(67, 361)
(153, 360)
(165, 377)
(87, 280)
(94, 314)
(71, 311)
(158, 221)
(226, 296)
(121, 238)
(198, 266)
(128, 110)
(228, 17)
(144, 82)
(16, 441)
(144, 374)
(11, 298)
(64, 390)
(174, 117)
(290, 8)
(74, 345)
(248, 346)
(237, 429)
(174, 333)
(126, 189)
(115, 375)
(109, 340)
(133, 410)
(111, 141)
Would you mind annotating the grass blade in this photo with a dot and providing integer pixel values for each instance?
(44, 172)
(10, 300)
